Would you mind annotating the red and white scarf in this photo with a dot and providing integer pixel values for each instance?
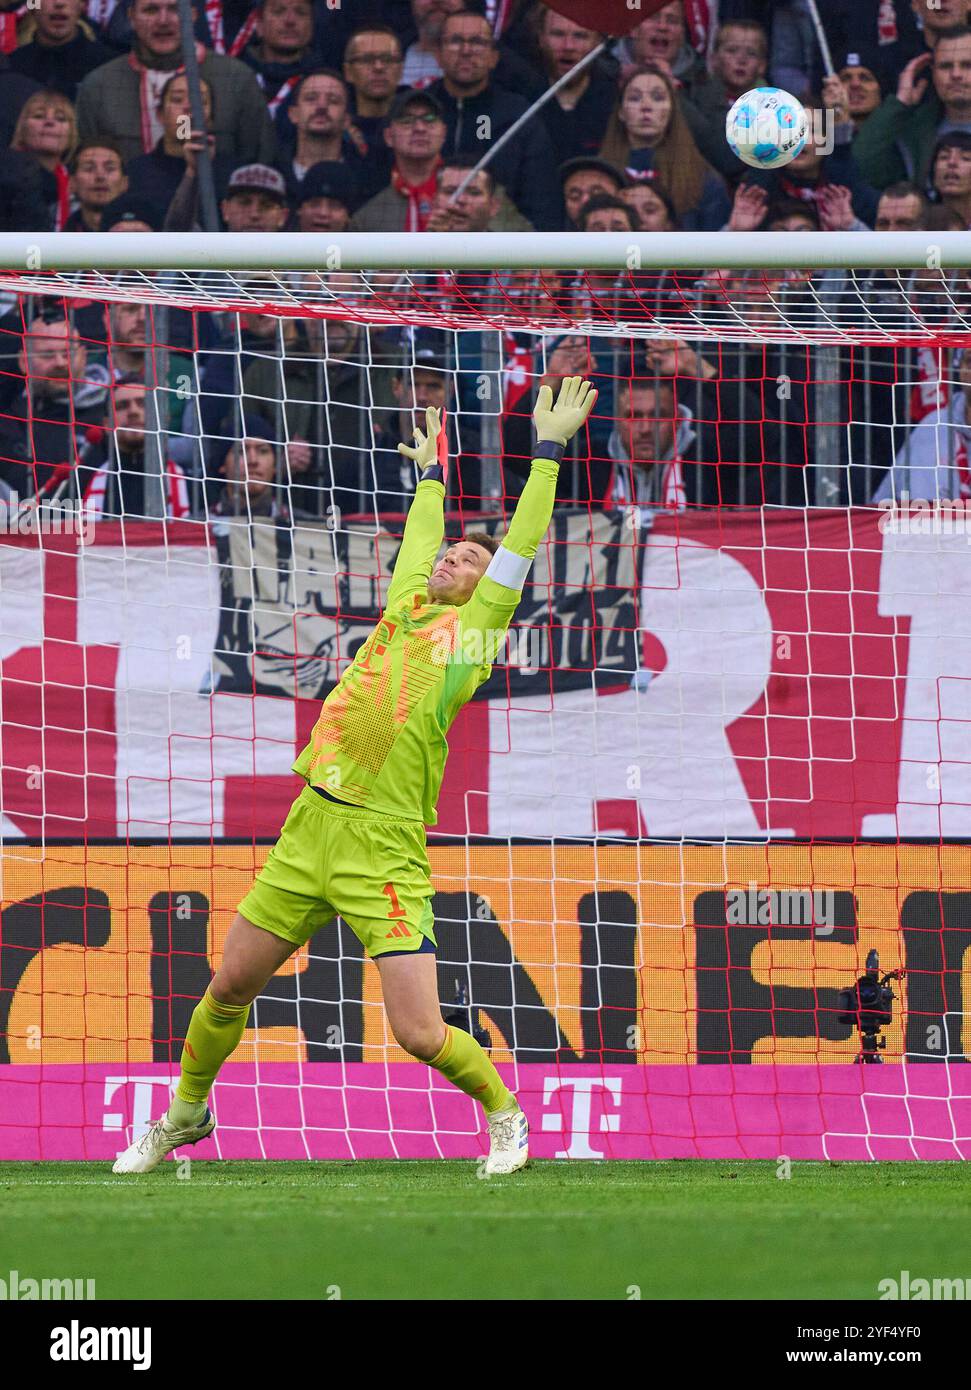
(419, 196)
(274, 103)
(698, 23)
(932, 391)
(673, 494)
(177, 503)
(517, 371)
(217, 30)
(887, 23)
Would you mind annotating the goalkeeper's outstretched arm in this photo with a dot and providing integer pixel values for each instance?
(425, 525)
(489, 611)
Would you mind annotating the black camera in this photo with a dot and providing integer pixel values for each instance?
(868, 1005)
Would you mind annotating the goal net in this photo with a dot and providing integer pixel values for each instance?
(723, 759)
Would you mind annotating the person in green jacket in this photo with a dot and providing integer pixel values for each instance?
(120, 100)
(933, 97)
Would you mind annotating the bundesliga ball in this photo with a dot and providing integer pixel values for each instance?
(767, 128)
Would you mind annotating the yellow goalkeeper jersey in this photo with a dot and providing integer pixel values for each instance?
(380, 739)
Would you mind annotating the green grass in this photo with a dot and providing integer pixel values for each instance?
(434, 1230)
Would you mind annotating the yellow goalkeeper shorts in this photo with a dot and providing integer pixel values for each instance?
(333, 858)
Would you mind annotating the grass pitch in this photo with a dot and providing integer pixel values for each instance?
(433, 1230)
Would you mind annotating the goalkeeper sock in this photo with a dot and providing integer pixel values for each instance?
(462, 1061)
(214, 1033)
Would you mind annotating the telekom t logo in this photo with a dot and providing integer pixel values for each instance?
(143, 1102)
(579, 1123)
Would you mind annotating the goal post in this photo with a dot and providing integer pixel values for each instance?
(445, 251)
(722, 760)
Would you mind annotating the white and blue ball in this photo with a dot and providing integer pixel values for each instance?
(767, 127)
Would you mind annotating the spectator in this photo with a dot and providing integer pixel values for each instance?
(130, 214)
(654, 208)
(157, 176)
(414, 387)
(415, 134)
(951, 174)
(255, 200)
(933, 98)
(468, 94)
(373, 66)
(647, 446)
(97, 178)
(47, 131)
(128, 353)
(665, 458)
(583, 178)
(576, 118)
(481, 207)
(902, 208)
(250, 469)
(41, 424)
(319, 115)
(933, 463)
(326, 198)
(791, 215)
(120, 99)
(60, 53)
(115, 467)
(422, 59)
(648, 131)
(661, 40)
(738, 63)
(856, 90)
(605, 214)
(282, 47)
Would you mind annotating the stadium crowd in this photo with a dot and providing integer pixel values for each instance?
(371, 116)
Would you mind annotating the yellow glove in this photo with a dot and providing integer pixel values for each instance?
(559, 423)
(425, 450)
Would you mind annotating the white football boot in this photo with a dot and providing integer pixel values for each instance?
(147, 1153)
(508, 1143)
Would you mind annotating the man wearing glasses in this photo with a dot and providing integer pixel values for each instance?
(414, 133)
(478, 111)
(373, 64)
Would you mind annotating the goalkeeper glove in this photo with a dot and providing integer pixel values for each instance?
(430, 451)
(559, 423)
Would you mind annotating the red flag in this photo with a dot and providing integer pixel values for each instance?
(613, 17)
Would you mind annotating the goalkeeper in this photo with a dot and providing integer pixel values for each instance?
(354, 840)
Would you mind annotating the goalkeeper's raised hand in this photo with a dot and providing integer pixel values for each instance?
(430, 451)
(558, 423)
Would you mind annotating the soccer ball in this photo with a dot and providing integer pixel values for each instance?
(767, 128)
